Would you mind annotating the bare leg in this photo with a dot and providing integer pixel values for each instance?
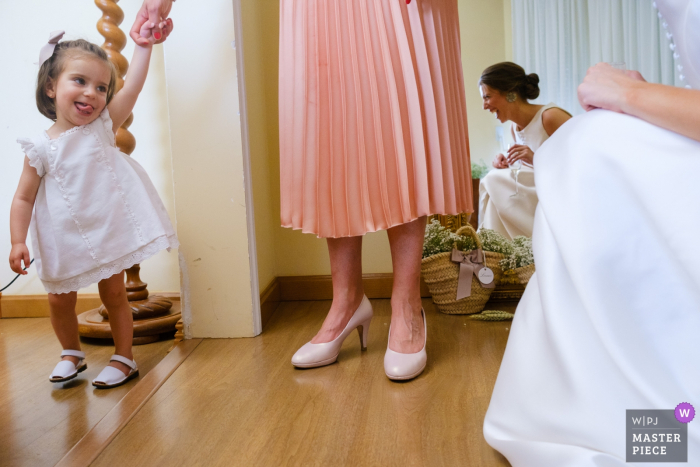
(65, 321)
(346, 270)
(407, 332)
(121, 321)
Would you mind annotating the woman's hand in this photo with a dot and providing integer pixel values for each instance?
(605, 87)
(19, 253)
(500, 162)
(156, 12)
(167, 29)
(520, 152)
(148, 31)
(668, 107)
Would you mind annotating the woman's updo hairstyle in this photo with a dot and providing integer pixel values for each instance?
(508, 77)
(52, 68)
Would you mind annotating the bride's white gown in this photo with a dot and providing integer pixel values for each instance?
(611, 319)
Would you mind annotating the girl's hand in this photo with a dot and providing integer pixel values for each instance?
(19, 253)
(148, 31)
(151, 11)
(520, 152)
(605, 87)
(167, 28)
(500, 162)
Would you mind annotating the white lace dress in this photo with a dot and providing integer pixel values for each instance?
(96, 211)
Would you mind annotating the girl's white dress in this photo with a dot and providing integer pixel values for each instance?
(96, 211)
(497, 209)
(611, 319)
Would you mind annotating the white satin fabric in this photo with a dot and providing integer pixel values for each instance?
(611, 319)
(96, 211)
(509, 216)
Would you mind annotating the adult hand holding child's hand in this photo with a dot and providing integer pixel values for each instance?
(148, 28)
(156, 12)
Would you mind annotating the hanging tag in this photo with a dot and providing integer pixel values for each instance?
(485, 276)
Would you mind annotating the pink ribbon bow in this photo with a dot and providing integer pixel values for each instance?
(469, 263)
(47, 50)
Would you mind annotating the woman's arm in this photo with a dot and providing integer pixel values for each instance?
(123, 102)
(553, 118)
(21, 216)
(676, 109)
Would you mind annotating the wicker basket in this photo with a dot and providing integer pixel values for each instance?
(441, 275)
(509, 277)
(525, 273)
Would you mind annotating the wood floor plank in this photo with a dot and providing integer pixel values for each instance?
(40, 421)
(240, 401)
(94, 442)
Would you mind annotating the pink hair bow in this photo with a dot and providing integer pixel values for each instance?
(47, 50)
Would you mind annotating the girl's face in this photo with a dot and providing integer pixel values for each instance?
(495, 102)
(80, 91)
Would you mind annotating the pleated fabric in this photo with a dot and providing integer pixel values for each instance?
(373, 121)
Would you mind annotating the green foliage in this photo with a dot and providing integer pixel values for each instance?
(439, 239)
(495, 242)
(479, 170)
(492, 315)
(521, 256)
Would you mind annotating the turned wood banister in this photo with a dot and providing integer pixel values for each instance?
(115, 41)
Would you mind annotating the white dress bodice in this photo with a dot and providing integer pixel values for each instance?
(534, 134)
(96, 211)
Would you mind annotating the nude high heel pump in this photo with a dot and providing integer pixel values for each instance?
(315, 355)
(403, 366)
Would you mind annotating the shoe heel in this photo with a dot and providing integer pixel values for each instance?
(363, 332)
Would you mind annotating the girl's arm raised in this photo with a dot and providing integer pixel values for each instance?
(123, 102)
(21, 216)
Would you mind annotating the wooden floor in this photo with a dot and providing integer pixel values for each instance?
(240, 401)
(40, 421)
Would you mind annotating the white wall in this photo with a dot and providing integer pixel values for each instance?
(219, 284)
(24, 29)
(483, 38)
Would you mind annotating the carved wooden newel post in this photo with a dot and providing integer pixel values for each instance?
(153, 315)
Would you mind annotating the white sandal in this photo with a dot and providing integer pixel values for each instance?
(66, 370)
(112, 377)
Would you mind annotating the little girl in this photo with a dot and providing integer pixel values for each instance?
(95, 211)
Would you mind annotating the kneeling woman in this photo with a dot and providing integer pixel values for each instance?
(506, 89)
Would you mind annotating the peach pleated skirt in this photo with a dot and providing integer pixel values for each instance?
(373, 120)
